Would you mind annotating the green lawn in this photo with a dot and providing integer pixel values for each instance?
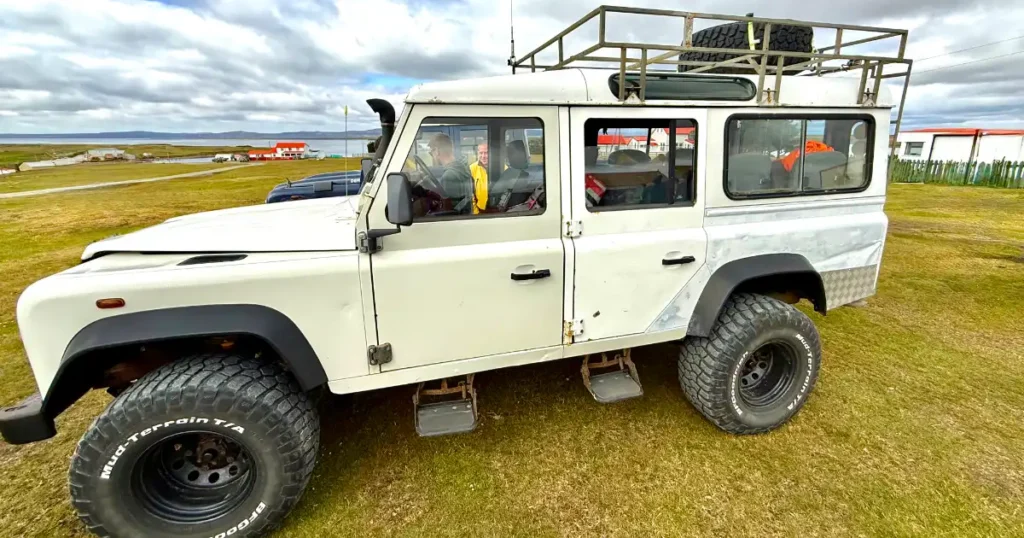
(915, 428)
(12, 155)
(89, 173)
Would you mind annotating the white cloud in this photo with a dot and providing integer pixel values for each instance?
(217, 65)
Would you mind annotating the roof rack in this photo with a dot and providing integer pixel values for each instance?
(759, 59)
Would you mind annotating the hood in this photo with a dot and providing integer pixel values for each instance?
(308, 225)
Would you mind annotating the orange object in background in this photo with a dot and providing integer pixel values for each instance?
(812, 146)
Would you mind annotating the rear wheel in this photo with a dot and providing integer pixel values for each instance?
(212, 445)
(756, 368)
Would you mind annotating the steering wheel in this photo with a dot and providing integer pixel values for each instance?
(427, 177)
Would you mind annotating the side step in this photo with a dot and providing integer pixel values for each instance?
(622, 383)
(449, 415)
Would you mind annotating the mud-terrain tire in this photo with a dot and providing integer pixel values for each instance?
(734, 36)
(756, 368)
(212, 445)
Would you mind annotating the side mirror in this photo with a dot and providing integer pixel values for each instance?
(364, 168)
(399, 209)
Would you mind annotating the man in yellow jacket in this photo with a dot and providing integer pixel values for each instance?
(479, 172)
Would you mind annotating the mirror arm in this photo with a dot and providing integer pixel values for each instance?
(369, 240)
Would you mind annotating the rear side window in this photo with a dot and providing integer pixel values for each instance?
(791, 156)
(642, 163)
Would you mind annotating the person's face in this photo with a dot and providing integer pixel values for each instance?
(440, 158)
(482, 155)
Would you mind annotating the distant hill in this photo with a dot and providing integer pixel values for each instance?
(151, 135)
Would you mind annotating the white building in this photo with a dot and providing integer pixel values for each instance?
(105, 154)
(67, 161)
(959, 144)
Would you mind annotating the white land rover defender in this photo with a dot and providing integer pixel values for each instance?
(614, 208)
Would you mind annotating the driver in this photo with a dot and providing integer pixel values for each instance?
(456, 171)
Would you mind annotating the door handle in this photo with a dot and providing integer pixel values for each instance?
(533, 275)
(678, 261)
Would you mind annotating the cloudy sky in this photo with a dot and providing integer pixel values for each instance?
(277, 65)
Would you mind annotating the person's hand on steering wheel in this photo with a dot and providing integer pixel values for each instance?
(427, 179)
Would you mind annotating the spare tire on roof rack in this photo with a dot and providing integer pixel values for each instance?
(784, 37)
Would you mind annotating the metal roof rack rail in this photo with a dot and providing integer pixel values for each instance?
(759, 59)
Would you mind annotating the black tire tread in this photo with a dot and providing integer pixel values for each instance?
(734, 36)
(223, 382)
(705, 364)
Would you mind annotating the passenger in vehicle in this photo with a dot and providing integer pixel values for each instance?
(479, 172)
(456, 177)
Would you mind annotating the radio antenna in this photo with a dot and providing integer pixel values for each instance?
(512, 34)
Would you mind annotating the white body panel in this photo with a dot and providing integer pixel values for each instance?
(318, 291)
(590, 87)
(304, 226)
(440, 291)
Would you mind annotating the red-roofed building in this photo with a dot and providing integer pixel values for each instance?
(963, 144)
(612, 140)
(261, 154)
(290, 150)
(281, 151)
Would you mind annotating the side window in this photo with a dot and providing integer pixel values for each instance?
(468, 167)
(915, 149)
(632, 164)
(787, 156)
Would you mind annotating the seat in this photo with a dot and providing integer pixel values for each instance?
(515, 184)
(628, 156)
(749, 173)
(824, 169)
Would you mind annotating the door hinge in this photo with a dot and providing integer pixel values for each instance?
(573, 228)
(379, 355)
(573, 329)
(367, 244)
(364, 244)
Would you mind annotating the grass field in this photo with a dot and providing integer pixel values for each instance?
(915, 428)
(90, 173)
(13, 154)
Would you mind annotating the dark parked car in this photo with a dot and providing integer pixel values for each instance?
(318, 186)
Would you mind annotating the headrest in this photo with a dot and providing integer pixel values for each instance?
(516, 153)
(628, 156)
(860, 132)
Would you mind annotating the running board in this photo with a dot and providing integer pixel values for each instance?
(449, 415)
(622, 383)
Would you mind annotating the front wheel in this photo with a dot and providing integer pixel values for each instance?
(756, 368)
(209, 446)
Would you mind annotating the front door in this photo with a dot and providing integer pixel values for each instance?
(637, 196)
(480, 271)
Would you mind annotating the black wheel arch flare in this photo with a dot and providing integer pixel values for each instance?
(271, 326)
(760, 274)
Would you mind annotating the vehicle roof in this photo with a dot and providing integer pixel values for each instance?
(590, 87)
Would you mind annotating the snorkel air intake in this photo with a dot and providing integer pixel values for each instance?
(387, 125)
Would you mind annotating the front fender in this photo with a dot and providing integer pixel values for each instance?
(272, 327)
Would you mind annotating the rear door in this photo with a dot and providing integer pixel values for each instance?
(637, 205)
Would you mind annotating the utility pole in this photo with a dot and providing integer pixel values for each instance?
(346, 131)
